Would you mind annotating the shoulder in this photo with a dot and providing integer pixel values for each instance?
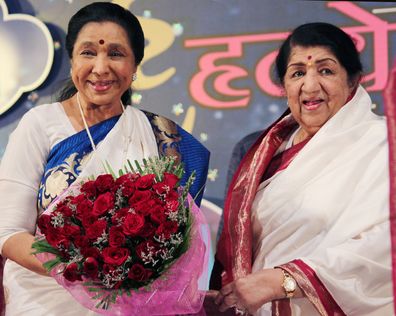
(37, 124)
(41, 113)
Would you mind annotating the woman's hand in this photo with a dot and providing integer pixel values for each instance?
(18, 248)
(248, 294)
(211, 308)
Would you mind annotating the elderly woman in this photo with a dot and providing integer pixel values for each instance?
(307, 214)
(57, 144)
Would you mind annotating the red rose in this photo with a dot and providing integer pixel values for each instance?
(172, 205)
(145, 182)
(116, 237)
(140, 196)
(161, 188)
(133, 224)
(104, 182)
(139, 273)
(146, 207)
(77, 199)
(146, 248)
(81, 241)
(54, 236)
(103, 204)
(126, 184)
(89, 188)
(63, 245)
(90, 267)
(91, 252)
(158, 215)
(170, 179)
(44, 221)
(71, 230)
(148, 230)
(65, 201)
(88, 219)
(96, 229)
(167, 184)
(127, 189)
(128, 177)
(65, 210)
(83, 208)
(141, 207)
(172, 196)
(71, 272)
(166, 229)
(119, 216)
(115, 255)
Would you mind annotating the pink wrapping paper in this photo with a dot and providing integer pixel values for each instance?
(176, 292)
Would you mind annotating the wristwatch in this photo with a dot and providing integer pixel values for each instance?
(289, 284)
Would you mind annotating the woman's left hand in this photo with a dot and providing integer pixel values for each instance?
(249, 293)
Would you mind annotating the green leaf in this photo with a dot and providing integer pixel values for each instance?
(49, 265)
(130, 166)
(140, 170)
(108, 169)
(41, 246)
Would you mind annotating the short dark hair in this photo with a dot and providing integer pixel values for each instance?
(321, 34)
(104, 12)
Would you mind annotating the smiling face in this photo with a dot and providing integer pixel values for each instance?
(316, 86)
(102, 64)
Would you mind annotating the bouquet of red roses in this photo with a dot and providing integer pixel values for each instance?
(116, 241)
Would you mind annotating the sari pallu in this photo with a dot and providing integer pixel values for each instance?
(324, 218)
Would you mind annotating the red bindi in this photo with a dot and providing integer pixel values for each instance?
(101, 42)
(309, 57)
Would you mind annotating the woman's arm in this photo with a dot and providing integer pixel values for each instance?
(18, 248)
(21, 170)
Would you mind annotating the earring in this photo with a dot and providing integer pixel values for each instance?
(71, 72)
(134, 76)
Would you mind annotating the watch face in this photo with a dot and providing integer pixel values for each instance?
(289, 284)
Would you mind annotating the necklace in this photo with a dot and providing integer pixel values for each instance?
(85, 122)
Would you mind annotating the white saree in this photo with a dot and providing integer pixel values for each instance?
(132, 137)
(330, 209)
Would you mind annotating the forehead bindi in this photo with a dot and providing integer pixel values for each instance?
(101, 42)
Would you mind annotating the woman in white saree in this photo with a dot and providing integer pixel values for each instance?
(307, 214)
(57, 144)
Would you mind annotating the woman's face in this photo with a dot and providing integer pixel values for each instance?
(316, 86)
(102, 63)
